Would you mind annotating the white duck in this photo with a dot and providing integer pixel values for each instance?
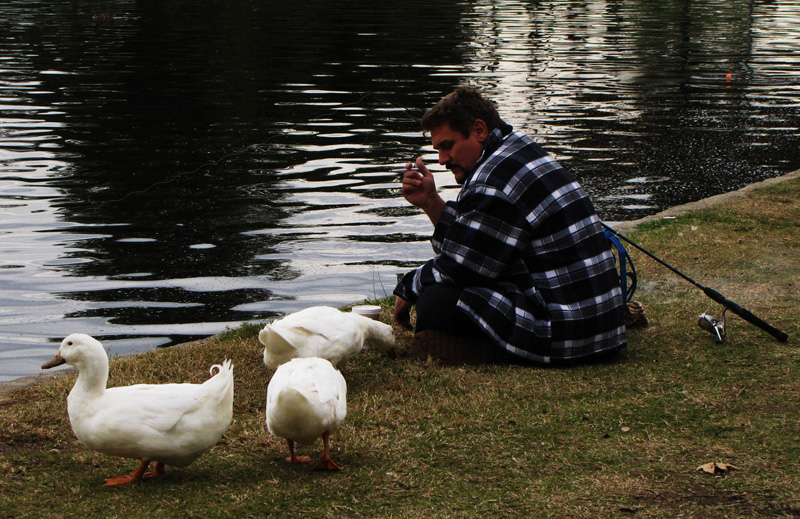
(170, 424)
(325, 332)
(306, 399)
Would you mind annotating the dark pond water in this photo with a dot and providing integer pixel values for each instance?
(169, 169)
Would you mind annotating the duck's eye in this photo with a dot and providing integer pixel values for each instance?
(69, 343)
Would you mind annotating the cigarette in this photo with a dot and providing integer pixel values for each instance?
(403, 170)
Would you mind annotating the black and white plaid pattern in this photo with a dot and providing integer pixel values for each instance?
(525, 242)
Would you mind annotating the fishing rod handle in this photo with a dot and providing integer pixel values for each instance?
(746, 314)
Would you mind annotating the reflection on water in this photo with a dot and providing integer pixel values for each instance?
(169, 169)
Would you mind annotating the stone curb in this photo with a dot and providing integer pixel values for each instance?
(705, 203)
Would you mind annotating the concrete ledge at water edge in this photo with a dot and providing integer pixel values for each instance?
(624, 227)
(8, 388)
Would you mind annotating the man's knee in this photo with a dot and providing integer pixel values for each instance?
(437, 310)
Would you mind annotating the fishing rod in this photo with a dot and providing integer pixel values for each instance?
(713, 294)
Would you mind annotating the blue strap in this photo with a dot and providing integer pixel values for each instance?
(624, 261)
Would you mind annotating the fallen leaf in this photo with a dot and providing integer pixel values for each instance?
(717, 468)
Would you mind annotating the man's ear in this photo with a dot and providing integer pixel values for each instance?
(481, 130)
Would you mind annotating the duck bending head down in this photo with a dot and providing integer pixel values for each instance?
(306, 400)
(324, 332)
(171, 424)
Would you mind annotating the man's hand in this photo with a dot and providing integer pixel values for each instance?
(402, 313)
(419, 189)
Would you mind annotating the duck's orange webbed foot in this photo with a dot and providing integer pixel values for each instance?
(294, 459)
(133, 477)
(298, 459)
(160, 470)
(325, 461)
(327, 464)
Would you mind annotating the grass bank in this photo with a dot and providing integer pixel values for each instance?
(420, 440)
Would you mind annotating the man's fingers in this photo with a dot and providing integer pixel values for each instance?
(412, 178)
(423, 169)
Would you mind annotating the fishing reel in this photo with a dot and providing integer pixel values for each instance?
(713, 326)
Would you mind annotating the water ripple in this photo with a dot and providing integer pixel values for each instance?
(165, 176)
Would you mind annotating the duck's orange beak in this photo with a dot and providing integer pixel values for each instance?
(55, 361)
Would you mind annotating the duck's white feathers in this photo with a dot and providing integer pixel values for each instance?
(171, 423)
(324, 332)
(305, 398)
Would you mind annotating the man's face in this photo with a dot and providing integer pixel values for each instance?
(456, 152)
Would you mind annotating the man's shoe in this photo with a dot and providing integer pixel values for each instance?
(634, 315)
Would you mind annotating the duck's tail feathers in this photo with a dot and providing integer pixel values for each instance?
(225, 367)
(221, 383)
(277, 349)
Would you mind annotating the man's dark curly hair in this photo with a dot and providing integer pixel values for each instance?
(460, 109)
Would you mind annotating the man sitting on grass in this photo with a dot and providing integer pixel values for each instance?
(523, 270)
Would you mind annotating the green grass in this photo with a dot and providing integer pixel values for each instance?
(622, 439)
